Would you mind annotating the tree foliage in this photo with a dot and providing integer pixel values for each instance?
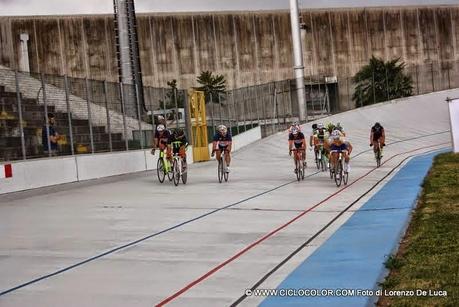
(381, 81)
(169, 100)
(212, 86)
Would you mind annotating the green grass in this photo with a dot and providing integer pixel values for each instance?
(428, 257)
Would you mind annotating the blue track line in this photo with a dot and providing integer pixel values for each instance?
(353, 257)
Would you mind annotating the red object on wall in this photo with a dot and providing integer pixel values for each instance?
(8, 171)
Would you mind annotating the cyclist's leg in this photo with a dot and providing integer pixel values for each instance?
(182, 154)
(333, 158)
(375, 146)
(227, 157)
(347, 159)
(218, 154)
(303, 156)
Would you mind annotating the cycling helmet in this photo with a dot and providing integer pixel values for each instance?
(330, 127)
(314, 126)
(160, 128)
(222, 129)
(378, 125)
(338, 126)
(179, 132)
(295, 131)
(320, 126)
(335, 135)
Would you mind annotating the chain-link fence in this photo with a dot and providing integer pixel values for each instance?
(96, 116)
(272, 106)
(47, 115)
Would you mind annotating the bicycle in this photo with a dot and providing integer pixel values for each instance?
(163, 167)
(222, 167)
(378, 155)
(178, 167)
(339, 175)
(299, 163)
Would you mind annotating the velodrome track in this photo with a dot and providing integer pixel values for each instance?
(131, 241)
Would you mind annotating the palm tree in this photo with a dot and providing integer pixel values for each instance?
(212, 86)
(169, 100)
(381, 81)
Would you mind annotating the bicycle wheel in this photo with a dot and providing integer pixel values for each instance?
(378, 158)
(220, 171)
(331, 169)
(345, 177)
(338, 173)
(317, 158)
(298, 169)
(176, 172)
(170, 174)
(324, 162)
(225, 174)
(160, 170)
(184, 174)
(302, 169)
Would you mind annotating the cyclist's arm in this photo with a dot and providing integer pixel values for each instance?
(303, 143)
(371, 136)
(311, 139)
(383, 137)
(230, 145)
(349, 147)
(155, 143)
(290, 144)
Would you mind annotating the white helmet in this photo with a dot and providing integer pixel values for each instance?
(335, 135)
(222, 128)
(320, 126)
(160, 128)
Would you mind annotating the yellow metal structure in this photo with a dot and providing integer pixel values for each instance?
(198, 121)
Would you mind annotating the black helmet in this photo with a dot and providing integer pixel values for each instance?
(314, 126)
(377, 125)
(179, 132)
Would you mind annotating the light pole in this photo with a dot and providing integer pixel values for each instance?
(298, 60)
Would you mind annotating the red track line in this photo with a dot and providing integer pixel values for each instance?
(270, 234)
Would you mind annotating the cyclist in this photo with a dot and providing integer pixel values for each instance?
(311, 138)
(223, 140)
(338, 145)
(296, 138)
(330, 127)
(318, 138)
(340, 129)
(162, 141)
(179, 144)
(377, 137)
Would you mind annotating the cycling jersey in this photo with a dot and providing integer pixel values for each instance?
(377, 133)
(223, 140)
(164, 138)
(178, 142)
(297, 140)
(338, 146)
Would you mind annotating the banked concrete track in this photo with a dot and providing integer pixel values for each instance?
(131, 241)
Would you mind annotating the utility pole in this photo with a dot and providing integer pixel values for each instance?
(298, 60)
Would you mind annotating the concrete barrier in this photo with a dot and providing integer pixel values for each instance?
(44, 172)
(39, 173)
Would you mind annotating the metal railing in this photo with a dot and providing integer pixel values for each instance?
(98, 116)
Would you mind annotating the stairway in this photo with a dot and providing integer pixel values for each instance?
(30, 86)
(33, 120)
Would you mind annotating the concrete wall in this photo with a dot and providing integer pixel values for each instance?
(248, 48)
(52, 171)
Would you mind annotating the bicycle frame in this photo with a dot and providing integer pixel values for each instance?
(167, 164)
